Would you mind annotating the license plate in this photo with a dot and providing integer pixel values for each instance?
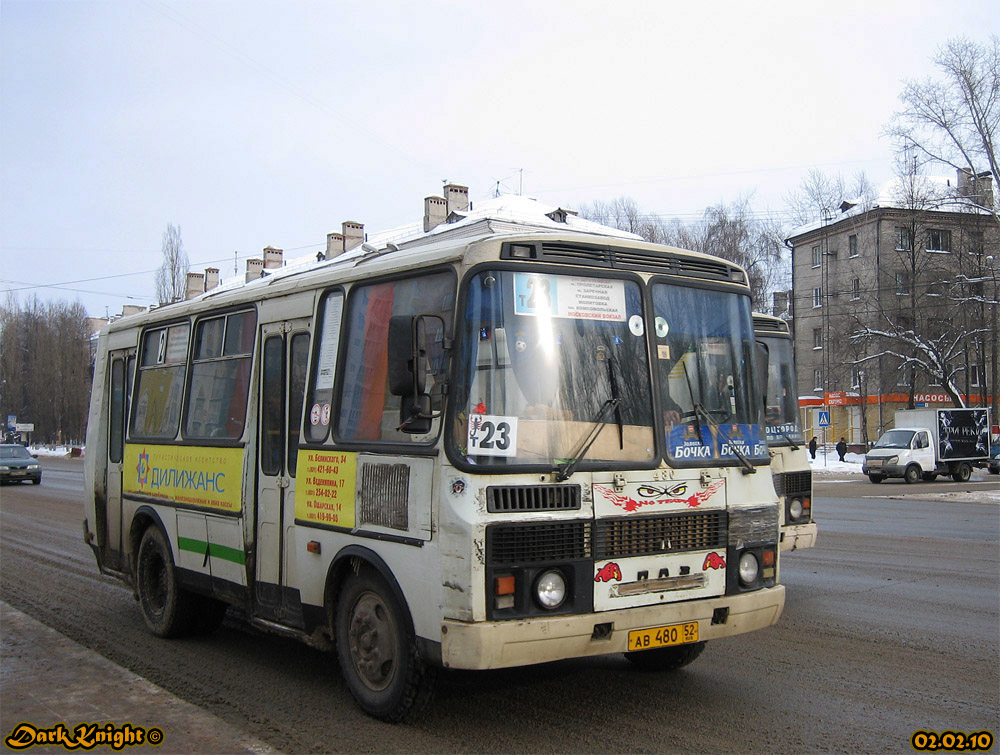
(660, 637)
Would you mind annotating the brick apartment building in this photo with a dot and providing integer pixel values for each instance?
(923, 258)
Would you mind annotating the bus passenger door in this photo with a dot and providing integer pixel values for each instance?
(119, 392)
(285, 351)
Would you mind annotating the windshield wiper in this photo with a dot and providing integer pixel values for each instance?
(791, 441)
(564, 470)
(748, 468)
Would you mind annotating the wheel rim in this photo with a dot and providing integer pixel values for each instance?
(372, 641)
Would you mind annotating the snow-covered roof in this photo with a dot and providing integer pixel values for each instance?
(933, 193)
(505, 213)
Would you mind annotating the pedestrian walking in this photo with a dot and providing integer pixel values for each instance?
(812, 447)
(841, 448)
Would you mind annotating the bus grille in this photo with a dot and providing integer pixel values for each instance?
(536, 543)
(533, 498)
(617, 538)
(509, 544)
(793, 483)
(383, 495)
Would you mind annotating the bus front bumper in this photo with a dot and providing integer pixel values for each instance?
(503, 644)
(798, 536)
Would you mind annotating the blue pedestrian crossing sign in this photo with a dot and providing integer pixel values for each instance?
(823, 419)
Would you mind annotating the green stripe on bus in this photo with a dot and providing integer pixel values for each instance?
(216, 551)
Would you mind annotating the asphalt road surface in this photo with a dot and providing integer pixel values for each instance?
(891, 625)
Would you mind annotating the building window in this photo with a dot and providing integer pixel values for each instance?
(976, 242)
(902, 283)
(817, 297)
(905, 375)
(852, 245)
(817, 338)
(856, 289)
(938, 240)
(817, 380)
(817, 256)
(978, 376)
(904, 239)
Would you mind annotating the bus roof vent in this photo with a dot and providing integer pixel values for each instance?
(767, 324)
(603, 255)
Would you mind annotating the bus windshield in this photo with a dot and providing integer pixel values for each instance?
(705, 349)
(553, 370)
(781, 414)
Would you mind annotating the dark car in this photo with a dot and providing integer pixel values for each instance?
(17, 464)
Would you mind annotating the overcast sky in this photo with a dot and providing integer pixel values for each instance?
(251, 123)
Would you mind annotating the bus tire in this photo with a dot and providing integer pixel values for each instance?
(876, 478)
(665, 659)
(166, 608)
(912, 474)
(377, 650)
(962, 473)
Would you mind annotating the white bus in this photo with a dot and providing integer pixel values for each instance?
(790, 463)
(513, 438)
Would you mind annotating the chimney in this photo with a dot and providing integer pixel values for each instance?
(211, 278)
(334, 245)
(780, 303)
(354, 234)
(435, 212)
(272, 258)
(457, 198)
(255, 268)
(195, 285)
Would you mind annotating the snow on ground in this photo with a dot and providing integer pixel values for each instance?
(827, 467)
(53, 450)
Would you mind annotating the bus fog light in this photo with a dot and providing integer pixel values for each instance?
(795, 509)
(550, 589)
(749, 568)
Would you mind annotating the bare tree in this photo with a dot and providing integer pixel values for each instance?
(731, 231)
(955, 119)
(171, 278)
(45, 371)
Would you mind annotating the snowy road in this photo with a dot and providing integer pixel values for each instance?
(890, 626)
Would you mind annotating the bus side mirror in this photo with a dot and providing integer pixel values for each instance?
(408, 367)
(407, 357)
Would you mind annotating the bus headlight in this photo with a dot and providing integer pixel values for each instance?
(749, 568)
(550, 589)
(795, 509)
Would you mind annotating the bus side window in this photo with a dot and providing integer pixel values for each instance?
(368, 410)
(296, 392)
(328, 323)
(220, 376)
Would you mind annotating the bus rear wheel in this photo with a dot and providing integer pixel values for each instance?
(166, 608)
(378, 652)
(665, 659)
(962, 473)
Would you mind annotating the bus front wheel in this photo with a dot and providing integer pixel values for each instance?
(166, 608)
(378, 652)
(665, 659)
